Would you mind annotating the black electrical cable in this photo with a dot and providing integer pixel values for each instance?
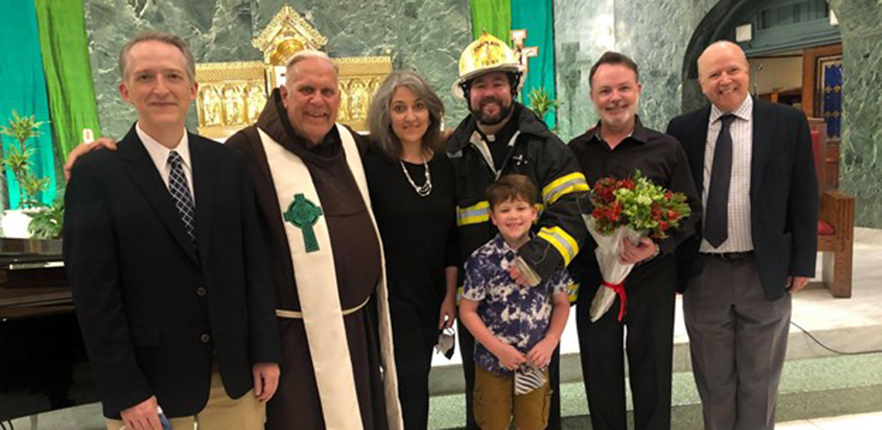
(812, 337)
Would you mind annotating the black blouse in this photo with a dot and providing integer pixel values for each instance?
(418, 232)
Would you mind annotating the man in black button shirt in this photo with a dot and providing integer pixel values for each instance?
(617, 147)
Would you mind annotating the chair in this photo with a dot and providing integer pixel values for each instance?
(835, 223)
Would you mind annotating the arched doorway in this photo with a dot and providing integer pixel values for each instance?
(795, 51)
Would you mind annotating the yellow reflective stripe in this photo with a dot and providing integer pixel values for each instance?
(564, 185)
(562, 241)
(473, 214)
(573, 292)
(539, 208)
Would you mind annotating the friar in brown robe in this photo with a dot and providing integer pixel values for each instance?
(337, 370)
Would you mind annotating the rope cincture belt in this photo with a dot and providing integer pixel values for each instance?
(282, 313)
(623, 299)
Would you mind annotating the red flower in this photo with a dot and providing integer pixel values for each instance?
(615, 211)
(608, 212)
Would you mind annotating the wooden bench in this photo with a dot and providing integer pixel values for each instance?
(836, 220)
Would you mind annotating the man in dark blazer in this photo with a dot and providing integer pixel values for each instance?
(752, 163)
(168, 267)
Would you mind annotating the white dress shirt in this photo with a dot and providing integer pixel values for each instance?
(159, 154)
(741, 130)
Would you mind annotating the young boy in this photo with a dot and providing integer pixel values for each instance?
(517, 328)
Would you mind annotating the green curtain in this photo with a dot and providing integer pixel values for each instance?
(536, 16)
(65, 52)
(492, 16)
(23, 88)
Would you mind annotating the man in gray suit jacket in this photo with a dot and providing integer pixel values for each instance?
(752, 163)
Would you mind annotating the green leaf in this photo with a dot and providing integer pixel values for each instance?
(17, 156)
(48, 223)
(541, 102)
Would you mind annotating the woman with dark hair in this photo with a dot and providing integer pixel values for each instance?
(411, 184)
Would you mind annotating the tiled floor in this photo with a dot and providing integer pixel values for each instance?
(871, 421)
(850, 325)
(814, 309)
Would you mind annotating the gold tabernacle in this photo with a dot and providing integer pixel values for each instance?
(232, 95)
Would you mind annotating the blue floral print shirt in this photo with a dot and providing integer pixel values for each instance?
(518, 316)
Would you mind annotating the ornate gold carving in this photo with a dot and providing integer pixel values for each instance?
(287, 34)
(232, 95)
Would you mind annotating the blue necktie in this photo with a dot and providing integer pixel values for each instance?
(180, 192)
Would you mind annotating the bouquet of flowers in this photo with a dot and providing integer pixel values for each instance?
(626, 209)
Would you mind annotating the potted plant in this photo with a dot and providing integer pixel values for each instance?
(48, 223)
(17, 158)
(542, 103)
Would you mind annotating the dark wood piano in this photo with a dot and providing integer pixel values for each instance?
(43, 364)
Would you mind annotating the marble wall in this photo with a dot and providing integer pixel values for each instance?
(860, 169)
(427, 36)
(583, 31)
(656, 34)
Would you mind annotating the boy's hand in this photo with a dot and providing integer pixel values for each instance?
(541, 354)
(509, 357)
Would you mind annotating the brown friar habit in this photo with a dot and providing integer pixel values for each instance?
(356, 255)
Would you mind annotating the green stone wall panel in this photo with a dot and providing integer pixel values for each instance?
(216, 30)
(654, 38)
(427, 36)
(860, 171)
(584, 30)
(655, 34)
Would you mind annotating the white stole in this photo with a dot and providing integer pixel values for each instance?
(321, 311)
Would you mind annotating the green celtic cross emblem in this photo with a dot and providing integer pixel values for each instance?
(304, 214)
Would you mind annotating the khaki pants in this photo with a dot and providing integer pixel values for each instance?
(496, 403)
(221, 412)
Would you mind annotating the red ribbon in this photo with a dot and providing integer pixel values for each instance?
(623, 299)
